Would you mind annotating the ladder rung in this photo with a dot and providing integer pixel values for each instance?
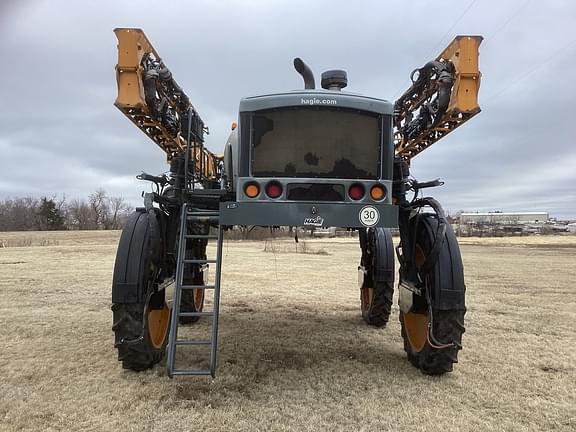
(199, 261)
(191, 372)
(187, 287)
(209, 217)
(195, 314)
(193, 342)
(201, 236)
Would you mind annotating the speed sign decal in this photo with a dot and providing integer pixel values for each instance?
(369, 216)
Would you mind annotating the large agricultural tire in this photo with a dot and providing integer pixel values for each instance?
(141, 318)
(377, 287)
(434, 352)
(376, 303)
(140, 344)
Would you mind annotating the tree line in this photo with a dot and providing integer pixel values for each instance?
(99, 211)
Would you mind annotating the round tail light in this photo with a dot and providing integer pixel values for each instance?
(377, 192)
(273, 189)
(251, 190)
(356, 191)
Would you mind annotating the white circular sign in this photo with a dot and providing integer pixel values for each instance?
(369, 216)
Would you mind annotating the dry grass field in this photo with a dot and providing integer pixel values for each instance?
(294, 354)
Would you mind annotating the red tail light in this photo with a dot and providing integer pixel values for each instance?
(356, 191)
(273, 189)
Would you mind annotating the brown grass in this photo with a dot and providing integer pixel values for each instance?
(293, 353)
(303, 247)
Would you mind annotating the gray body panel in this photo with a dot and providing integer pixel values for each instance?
(320, 98)
(285, 181)
(266, 211)
(297, 213)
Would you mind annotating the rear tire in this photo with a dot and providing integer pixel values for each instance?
(376, 303)
(377, 286)
(192, 300)
(434, 353)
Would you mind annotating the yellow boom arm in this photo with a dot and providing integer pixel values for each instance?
(443, 96)
(155, 103)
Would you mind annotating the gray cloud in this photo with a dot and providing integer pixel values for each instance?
(59, 131)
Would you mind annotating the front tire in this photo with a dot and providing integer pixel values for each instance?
(141, 334)
(141, 318)
(433, 336)
(421, 352)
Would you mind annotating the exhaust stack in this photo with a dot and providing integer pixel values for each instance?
(303, 69)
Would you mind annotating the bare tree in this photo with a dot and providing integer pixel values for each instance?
(62, 207)
(81, 215)
(118, 209)
(18, 214)
(100, 210)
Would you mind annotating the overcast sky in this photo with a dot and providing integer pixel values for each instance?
(60, 133)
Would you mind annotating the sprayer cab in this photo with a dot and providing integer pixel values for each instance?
(312, 157)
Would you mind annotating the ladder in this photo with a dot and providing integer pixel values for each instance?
(190, 214)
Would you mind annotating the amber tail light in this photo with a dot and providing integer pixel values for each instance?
(251, 190)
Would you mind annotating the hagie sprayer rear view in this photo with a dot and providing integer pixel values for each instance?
(304, 158)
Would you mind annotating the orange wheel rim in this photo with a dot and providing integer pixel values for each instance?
(416, 324)
(366, 297)
(158, 325)
(198, 299)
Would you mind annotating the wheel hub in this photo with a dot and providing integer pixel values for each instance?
(158, 325)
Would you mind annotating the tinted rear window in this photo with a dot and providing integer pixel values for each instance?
(327, 143)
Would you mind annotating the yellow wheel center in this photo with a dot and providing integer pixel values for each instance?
(366, 297)
(158, 325)
(416, 324)
(198, 299)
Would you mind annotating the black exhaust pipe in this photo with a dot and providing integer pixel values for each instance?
(303, 69)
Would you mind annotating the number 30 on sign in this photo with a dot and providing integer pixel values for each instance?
(369, 216)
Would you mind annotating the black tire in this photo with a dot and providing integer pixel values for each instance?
(136, 348)
(141, 318)
(193, 300)
(435, 353)
(448, 326)
(377, 305)
(377, 288)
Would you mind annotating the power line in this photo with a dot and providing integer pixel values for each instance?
(529, 72)
(451, 28)
(510, 18)
(440, 41)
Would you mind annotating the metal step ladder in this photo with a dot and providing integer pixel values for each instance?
(194, 215)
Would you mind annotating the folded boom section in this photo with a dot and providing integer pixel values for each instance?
(443, 96)
(150, 97)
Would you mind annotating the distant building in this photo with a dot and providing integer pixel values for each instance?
(506, 224)
(504, 218)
